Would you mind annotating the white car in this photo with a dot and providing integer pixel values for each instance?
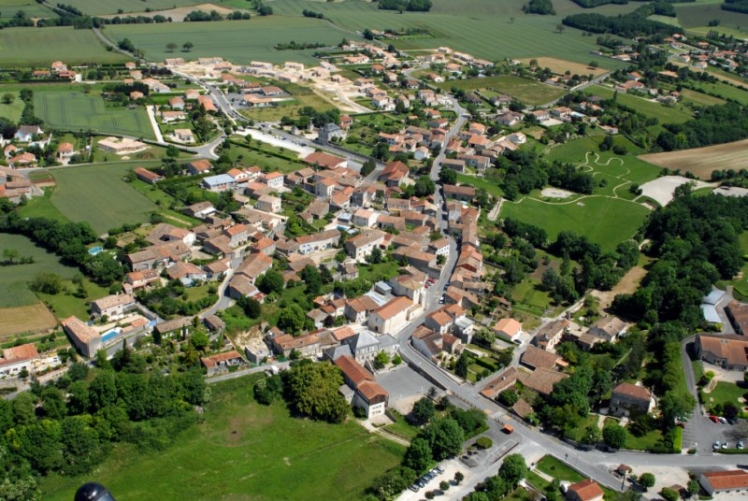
(716, 445)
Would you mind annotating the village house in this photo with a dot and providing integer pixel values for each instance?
(268, 203)
(113, 307)
(608, 328)
(197, 167)
(216, 364)
(728, 351)
(187, 273)
(17, 359)
(629, 400)
(715, 483)
(586, 490)
(368, 394)
(392, 317)
(361, 246)
(550, 334)
(121, 146)
(136, 280)
(84, 337)
(309, 244)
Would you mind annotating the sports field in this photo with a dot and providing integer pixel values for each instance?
(237, 41)
(39, 47)
(74, 111)
(15, 278)
(244, 451)
(99, 195)
(604, 220)
(703, 161)
(523, 89)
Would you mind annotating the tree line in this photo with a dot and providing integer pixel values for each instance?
(724, 123)
(542, 7)
(405, 5)
(735, 6)
(628, 25)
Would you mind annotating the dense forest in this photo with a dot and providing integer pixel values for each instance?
(714, 125)
(69, 426)
(736, 6)
(629, 25)
(405, 5)
(588, 4)
(524, 171)
(696, 241)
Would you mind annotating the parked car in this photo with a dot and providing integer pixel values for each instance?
(714, 419)
(724, 445)
(740, 444)
(414, 488)
(723, 420)
(716, 445)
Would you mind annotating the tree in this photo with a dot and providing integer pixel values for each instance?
(459, 477)
(461, 367)
(313, 391)
(171, 47)
(693, 488)
(8, 98)
(187, 46)
(508, 397)
(446, 438)
(448, 176)
(669, 494)
(646, 480)
(425, 186)
(418, 455)
(513, 469)
(375, 257)
(47, 283)
(199, 340)
(292, 319)
(423, 411)
(614, 436)
(252, 308)
(311, 277)
(381, 360)
(271, 281)
(368, 167)
(78, 371)
(592, 435)
(443, 486)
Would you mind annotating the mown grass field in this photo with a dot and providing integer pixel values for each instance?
(15, 278)
(664, 114)
(76, 111)
(700, 98)
(724, 91)
(245, 451)
(99, 195)
(528, 91)
(100, 7)
(13, 110)
(237, 41)
(39, 47)
(702, 161)
(606, 221)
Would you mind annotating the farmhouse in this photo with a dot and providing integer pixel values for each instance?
(608, 328)
(146, 175)
(221, 362)
(83, 336)
(18, 358)
(201, 166)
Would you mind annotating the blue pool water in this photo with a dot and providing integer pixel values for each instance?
(107, 336)
(95, 250)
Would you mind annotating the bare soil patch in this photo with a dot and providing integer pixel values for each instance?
(177, 15)
(703, 161)
(34, 318)
(627, 285)
(560, 66)
(555, 193)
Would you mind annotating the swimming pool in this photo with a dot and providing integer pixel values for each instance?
(109, 335)
(95, 250)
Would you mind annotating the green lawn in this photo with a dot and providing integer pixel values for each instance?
(13, 110)
(523, 89)
(245, 451)
(741, 284)
(491, 187)
(237, 41)
(643, 443)
(700, 98)
(99, 195)
(15, 278)
(74, 111)
(558, 469)
(724, 392)
(606, 221)
(380, 271)
(66, 304)
(578, 433)
(529, 296)
(664, 114)
(402, 427)
(39, 47)
(42, 207)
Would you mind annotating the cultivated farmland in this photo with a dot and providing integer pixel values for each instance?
(696, 15)
(606, 221)
(76, 111)
(30, 7)
(703, 161)
(99, 7)
(559, 66)
(99, 195)
(24, 319)
(664, 114)
(237, 41)
(39, 47)
(522, 89)
(260, 451)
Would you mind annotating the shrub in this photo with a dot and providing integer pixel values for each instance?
(484, 442)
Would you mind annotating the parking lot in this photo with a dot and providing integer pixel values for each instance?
(405, 387)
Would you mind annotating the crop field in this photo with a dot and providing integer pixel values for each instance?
(76, 111)
(604, 220)
(30, 7)
(246, 451)
(237, 41)
(559, 66)
(700, 98)
(528, 91)
(725, 91)
(100, 7)
(25, 319)
(15, 278)
(39, 47)
(698, 15)
(98, 194)
(664, 114)
(734, 32)
(703, 161)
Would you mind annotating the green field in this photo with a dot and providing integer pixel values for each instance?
(13, 110)
(606, 221)
(99, 195)
(700, 98)
(8, 8)
(237, 41)
(724, 91)
(100, 7)
(697, 15)
(15, 278)
(39, 47)
(664, 114)
(76, 111)
(528, 91)
(244, 451)
(558, 469)
(724, 392)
